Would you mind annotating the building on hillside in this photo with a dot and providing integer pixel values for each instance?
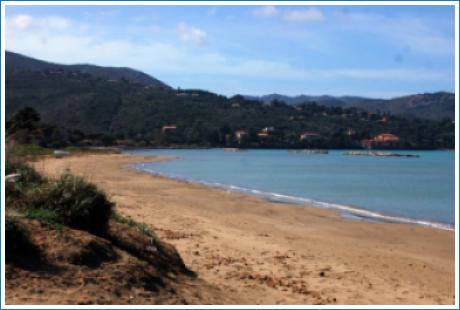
(268, 129)
(240, 134)
(309, 136)
(168, 128)
(350, 132)
(383, 140)
(385, 119)
(262, 134)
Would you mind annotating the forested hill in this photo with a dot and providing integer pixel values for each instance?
(17, 62)
(94, 110)
(430, 105)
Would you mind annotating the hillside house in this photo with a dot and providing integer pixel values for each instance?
(168, 128)
(262, 134)
(350, 132)
(268, 129)
(383, 140)
(309, 136)
(240, 134)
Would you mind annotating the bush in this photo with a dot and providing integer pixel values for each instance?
(69, 200)
(28, 174)
(29, 178)
(78, 204)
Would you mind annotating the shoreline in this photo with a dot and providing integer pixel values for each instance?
(276, 253)
(345, 211)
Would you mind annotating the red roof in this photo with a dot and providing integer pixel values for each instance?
(386, 137)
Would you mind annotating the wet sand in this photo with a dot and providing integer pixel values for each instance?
(272, 253)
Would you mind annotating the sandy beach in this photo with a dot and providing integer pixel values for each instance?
(271, 253)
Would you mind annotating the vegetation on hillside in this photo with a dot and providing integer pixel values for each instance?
(79, 108)
(83, 111)
(435, 106)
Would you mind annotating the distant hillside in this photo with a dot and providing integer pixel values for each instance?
(17, 62)
(430, 105)
(85, 109)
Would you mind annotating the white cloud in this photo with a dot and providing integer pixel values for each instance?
(161, 58)
(21, 22)
(26, 22)
(304, 15)
(265, 11)
(191, 34)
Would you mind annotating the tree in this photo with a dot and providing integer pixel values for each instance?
(26, 118)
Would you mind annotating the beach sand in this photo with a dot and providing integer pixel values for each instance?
(272, 253)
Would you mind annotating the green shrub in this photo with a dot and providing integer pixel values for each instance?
(29, 178)
(78, 203)
(28, 174)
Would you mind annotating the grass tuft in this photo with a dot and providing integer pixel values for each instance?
(144, 229)
(79, 204)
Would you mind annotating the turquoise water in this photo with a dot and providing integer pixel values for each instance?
(419, 190)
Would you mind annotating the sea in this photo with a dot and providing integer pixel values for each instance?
(417, 190)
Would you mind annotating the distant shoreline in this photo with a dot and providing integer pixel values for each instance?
(128, 148)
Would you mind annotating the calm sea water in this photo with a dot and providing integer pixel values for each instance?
(419, 190)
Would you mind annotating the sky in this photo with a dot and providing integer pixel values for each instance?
(372, 51)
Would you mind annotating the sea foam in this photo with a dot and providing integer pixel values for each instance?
(281, 198)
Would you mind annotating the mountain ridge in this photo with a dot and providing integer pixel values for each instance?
(16, 62)
(87, 109)
(435, 105)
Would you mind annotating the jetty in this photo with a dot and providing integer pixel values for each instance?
(380, 154)
(310, 152)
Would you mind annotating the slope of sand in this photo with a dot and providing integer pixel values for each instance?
(270, 253)
(70, 266)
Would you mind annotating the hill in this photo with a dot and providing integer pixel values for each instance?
(17, 63)
(97, 110)
(429, 105)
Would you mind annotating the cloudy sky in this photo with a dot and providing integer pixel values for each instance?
(376, 51)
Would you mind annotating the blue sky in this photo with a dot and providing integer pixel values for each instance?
(375, 51)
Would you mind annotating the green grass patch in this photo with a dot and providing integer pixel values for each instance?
(44, 216)
(28, 150)
(131, 223)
